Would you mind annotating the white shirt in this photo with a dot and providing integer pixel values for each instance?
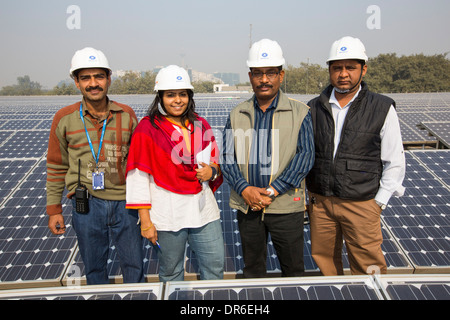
(392, 154)
(171, 211)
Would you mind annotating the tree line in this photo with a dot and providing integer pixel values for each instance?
(387, 73)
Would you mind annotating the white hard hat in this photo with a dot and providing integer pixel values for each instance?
(347, 48)
(265, 53)
(172, 78)
(88, 58)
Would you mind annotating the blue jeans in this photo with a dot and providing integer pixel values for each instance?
(206, 242)
(109, 220)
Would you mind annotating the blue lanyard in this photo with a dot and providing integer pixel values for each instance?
(96, 158)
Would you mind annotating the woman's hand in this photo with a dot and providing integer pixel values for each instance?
(150, 233)
(148, 229)
(205, 173)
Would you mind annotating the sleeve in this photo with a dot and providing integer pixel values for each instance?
(301, 164)
(393, 159)
(57, 167)
(138, 190)
(229, 167)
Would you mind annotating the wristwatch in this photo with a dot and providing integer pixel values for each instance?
(272, 192)
(382, 205)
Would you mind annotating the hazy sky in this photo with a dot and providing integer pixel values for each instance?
(211, 35)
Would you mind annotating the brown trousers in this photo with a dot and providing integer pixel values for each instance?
(358, 223)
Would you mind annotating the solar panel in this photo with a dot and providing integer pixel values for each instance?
(440, 130)
(419, 287)
(11, 173)
(29, 253)
(25, 144)
(415, 227)
(307, 288)
(420, 220)
(148, 291)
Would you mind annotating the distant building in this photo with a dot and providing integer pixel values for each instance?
(202, 76)
(225, 88)
(231, 79)
(228, 78)
(121, 73)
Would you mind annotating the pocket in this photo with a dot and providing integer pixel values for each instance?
(362, 166)
(362, 178)
(376, 208)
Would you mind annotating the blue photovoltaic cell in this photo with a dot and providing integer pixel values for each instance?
(437, 162)
(28, 250)
(420, 220)
(25, 144)
(145, 291)
(309, 288)
(11, 173)
(419, 287)
(440, 130)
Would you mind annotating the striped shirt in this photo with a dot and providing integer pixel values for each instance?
(260, 155)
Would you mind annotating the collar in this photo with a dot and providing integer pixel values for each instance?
(110, 104)
(333, 99)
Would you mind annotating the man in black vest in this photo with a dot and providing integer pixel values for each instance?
(359, 165)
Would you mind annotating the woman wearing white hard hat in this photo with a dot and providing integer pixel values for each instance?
(172, 174)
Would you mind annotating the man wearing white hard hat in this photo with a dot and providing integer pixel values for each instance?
(87, 151)
(359, 165)
(172, 174)
(268, 150)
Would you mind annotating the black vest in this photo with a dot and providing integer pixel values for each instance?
(356, 169)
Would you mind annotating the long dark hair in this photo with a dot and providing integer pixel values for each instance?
(189, 114)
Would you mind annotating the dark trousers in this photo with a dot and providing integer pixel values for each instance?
(286, 232)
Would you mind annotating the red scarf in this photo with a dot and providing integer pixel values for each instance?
(163, 153)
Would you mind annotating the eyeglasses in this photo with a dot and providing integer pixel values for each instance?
(271, 74)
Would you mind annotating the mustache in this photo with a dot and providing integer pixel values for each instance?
(264, 86)
(94, 88)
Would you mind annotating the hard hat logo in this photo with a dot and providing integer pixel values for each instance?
(179, 78)
(92, 57)
(265, 55)
(343, 49)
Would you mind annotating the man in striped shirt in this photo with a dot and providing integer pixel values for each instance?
(268, 149)
(94, 134)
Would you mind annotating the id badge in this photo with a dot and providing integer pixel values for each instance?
(98, 180)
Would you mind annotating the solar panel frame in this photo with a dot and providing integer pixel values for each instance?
(417, 287)
(307, 288)
(147, 291)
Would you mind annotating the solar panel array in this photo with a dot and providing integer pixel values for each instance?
(385, 287)
(416, 227)
(373, 287)
(414, 109)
